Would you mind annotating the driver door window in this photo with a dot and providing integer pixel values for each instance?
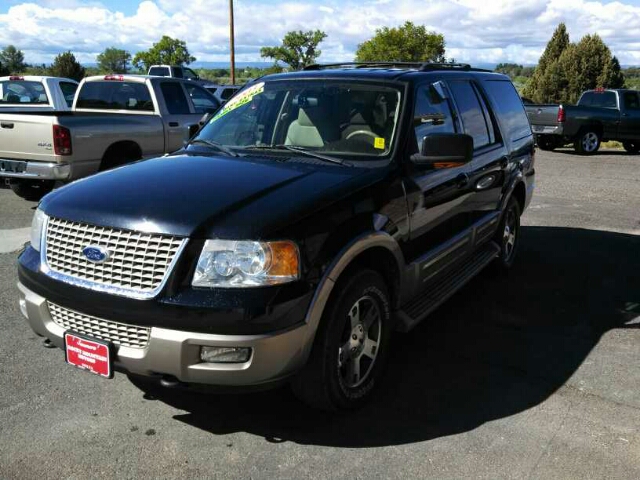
(432, 114)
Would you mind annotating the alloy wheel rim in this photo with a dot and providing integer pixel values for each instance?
(509, 234)
(360, 341)
(590, 142)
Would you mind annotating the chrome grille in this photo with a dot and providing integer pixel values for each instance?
(118, 333)
(138, 262)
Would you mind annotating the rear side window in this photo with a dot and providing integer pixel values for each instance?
(177, 72)
(202, 100)
(22, 92)
(68, 91)
(109, 95)
(227, 93)
(159, 71)
(432, 114)
(471, 112)
(174, 98)
(631, 101)
(509, 108)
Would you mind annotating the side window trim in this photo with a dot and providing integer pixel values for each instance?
(482, 106)
(495, 134)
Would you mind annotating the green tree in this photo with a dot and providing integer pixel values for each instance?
(537, 88)
(298, 49)
(407, 43)
(66, 65)
(13, 59)
(114, 60)
(3, 70)
(168, 51)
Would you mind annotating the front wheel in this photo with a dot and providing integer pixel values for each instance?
(632, 147)
(587, 142)
(32, 190)
(351, 345)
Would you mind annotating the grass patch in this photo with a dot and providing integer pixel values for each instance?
(612, 144)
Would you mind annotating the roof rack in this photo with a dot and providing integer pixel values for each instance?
(420, 66)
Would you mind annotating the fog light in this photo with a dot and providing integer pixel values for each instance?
(225, 354)
(23, 307)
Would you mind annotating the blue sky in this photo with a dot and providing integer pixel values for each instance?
(487, 31)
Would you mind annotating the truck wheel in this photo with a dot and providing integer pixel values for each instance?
(631, 147)
(32, 190)
(350, 347)
(507, 236)
(116, 157)
(587, 142)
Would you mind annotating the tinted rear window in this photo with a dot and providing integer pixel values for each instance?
(109, 95)
(159, 71)
(509, 109)
(599, 99)
(175, 98)
(22, 92)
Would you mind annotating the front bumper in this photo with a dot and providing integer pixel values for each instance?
(30, 170)
(177, 353)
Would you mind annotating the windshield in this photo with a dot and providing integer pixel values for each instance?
(350, 118)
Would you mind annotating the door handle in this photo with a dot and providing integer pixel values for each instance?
(174, 124)
(462, 180)
(6, 125)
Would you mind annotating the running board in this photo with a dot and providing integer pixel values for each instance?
(444, 286)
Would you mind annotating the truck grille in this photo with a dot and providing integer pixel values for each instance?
(118, 333)
(137, 264)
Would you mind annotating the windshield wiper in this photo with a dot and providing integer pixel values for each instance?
(304, 150)
(215, 145)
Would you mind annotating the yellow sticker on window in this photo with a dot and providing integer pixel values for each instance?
(242, 98)
(379, 143)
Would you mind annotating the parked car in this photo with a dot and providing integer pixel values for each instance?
(115, 119)
(223, 92)
(313, 215)
(36, 93)
(599, 116)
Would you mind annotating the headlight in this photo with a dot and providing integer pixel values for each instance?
(37, 225)
(230, 263)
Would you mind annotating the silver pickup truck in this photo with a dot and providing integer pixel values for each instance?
(115, 119)
(36, 93)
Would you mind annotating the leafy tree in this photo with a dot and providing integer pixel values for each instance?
(12, 59)
(407, 43)
(3, 70)
(114, 60)
(66, 65)
(537, 89)
(298, 49)
(168, 51)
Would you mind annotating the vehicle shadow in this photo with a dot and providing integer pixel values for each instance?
(500, 346)
(602, 151)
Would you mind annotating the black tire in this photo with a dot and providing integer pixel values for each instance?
(118, 157)
(32, 190)
(545, 143)
(508, 236)
(632, 147)
(587, 142)
(328, 381)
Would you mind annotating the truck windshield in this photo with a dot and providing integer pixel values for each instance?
(338, 117)
(22, 92)
(115, 95)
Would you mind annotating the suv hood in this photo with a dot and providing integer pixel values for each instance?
(204, 196)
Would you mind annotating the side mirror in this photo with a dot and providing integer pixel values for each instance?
(444, 150)
(193, 129)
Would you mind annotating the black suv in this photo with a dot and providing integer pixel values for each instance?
(313, 215)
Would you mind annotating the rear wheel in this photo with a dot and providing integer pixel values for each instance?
(587, 142)
(632, 147)
(508, 235)
(116, 157)
(32, 190)
(351, 345)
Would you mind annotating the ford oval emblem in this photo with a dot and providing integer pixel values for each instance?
(96, 254)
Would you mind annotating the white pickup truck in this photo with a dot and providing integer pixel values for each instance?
(36, 93)
(114, 119)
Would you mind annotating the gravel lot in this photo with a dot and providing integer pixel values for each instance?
(534, 375)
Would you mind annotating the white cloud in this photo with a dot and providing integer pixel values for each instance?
(487, 31)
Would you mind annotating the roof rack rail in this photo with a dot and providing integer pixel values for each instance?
(420, 66)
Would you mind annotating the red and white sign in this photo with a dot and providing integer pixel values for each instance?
(88, 354)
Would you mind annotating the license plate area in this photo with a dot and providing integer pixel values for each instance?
(86, 353)
(12, 166)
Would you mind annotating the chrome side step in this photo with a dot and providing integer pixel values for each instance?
(444, 286)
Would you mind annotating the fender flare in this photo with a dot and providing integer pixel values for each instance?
(341, 261)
